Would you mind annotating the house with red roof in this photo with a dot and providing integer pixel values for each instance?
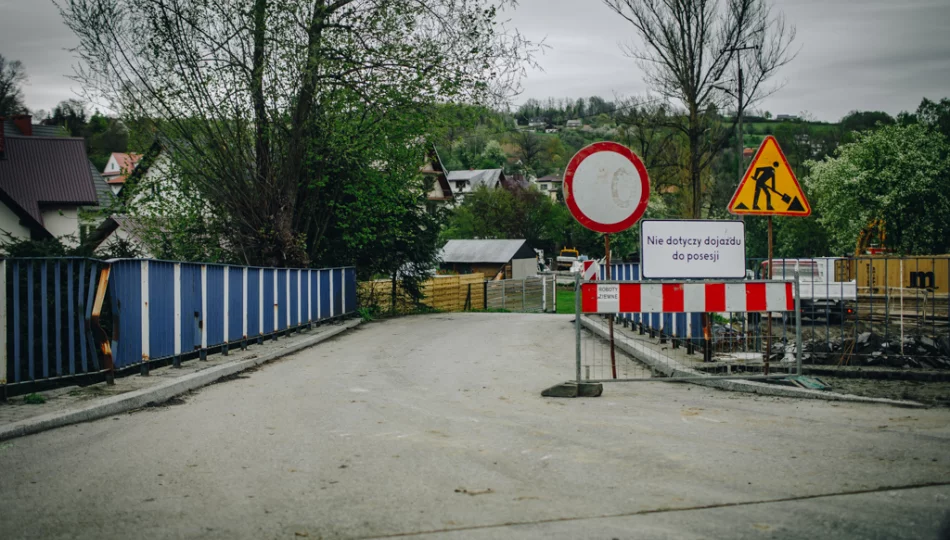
(118, 169)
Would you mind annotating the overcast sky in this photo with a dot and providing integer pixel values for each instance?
(854, 54)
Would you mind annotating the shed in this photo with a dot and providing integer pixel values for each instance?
(497, 259)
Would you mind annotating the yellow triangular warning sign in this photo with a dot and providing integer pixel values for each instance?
(769, 187)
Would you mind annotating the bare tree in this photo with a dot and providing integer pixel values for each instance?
(692, 50)
(12, 75)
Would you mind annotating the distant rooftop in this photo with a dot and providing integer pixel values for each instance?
(485, 251)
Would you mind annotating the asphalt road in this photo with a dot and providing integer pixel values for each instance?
(433, 426)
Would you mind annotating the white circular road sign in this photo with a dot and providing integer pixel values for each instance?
(606, 187)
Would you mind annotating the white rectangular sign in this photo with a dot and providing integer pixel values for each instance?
(608, 297)
(692, 249)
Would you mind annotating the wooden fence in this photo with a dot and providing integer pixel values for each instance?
(444, 293)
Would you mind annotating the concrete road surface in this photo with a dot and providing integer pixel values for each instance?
(433, 426)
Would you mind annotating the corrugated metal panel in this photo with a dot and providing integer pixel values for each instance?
(253, 302)
(215, 316)
(480, 251)
(268, 301)
(125, 287)
(292, 276)
(324, 294)
(350, 290)
(337, 291)
(190, 307)
(161, 309)
(236, 303)
(48, 336)
(315, 293)
(281, 299)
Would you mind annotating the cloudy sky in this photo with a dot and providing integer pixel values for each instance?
(854, 54)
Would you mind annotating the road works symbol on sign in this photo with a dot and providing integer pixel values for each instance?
(606, 187)
(769, 187)
(591, 270)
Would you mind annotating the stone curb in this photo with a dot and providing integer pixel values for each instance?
(159, 393)
(671, 368)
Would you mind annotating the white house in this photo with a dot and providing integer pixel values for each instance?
(462, 182)
(119, 167)
(550, 185)
(45, 181)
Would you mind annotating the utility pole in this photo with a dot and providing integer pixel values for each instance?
(740, 136)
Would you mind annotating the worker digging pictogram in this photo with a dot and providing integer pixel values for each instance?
(770, 175)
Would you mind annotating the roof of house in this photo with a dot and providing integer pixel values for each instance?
(104, 194)
(486, 251)
(116, 221)
(550, 178)
(46, 170)
(39, 130)
(126, 162)
(477, 177)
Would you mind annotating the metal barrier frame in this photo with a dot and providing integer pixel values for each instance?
(578, 312)
(56, 331)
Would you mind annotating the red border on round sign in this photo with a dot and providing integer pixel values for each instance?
(579, 157)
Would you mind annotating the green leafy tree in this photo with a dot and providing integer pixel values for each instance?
(273, 107)
(895, 173)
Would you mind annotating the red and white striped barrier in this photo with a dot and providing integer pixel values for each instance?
(591, 270)
(755, 296)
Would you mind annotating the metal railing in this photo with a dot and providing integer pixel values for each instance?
(68, 317)
(528, 295)
(626, 346)
(887, 312)
(47, 308)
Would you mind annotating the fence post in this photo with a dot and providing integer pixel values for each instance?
(524, 296)
(176, 292)
(244, 305)
(203, 321)
(3, 330)
(577, 324)
(260, 303)
(485, 295)
(227, 310)
(544, 294)
(276, 309)
(798, 325)
(145, 325)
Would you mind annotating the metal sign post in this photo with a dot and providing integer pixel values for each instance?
(613, 354)
(606, 189)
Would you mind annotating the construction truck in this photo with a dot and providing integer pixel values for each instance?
(566, 258)
(822, 295)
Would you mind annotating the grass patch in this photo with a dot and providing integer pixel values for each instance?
(565, 301)
(34, 399)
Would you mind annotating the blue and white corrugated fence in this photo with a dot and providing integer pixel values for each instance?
(47, 305)
(50, 310)
(169, 309)
(680, 326)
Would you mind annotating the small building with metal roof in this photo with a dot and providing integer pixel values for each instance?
(497, 259)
